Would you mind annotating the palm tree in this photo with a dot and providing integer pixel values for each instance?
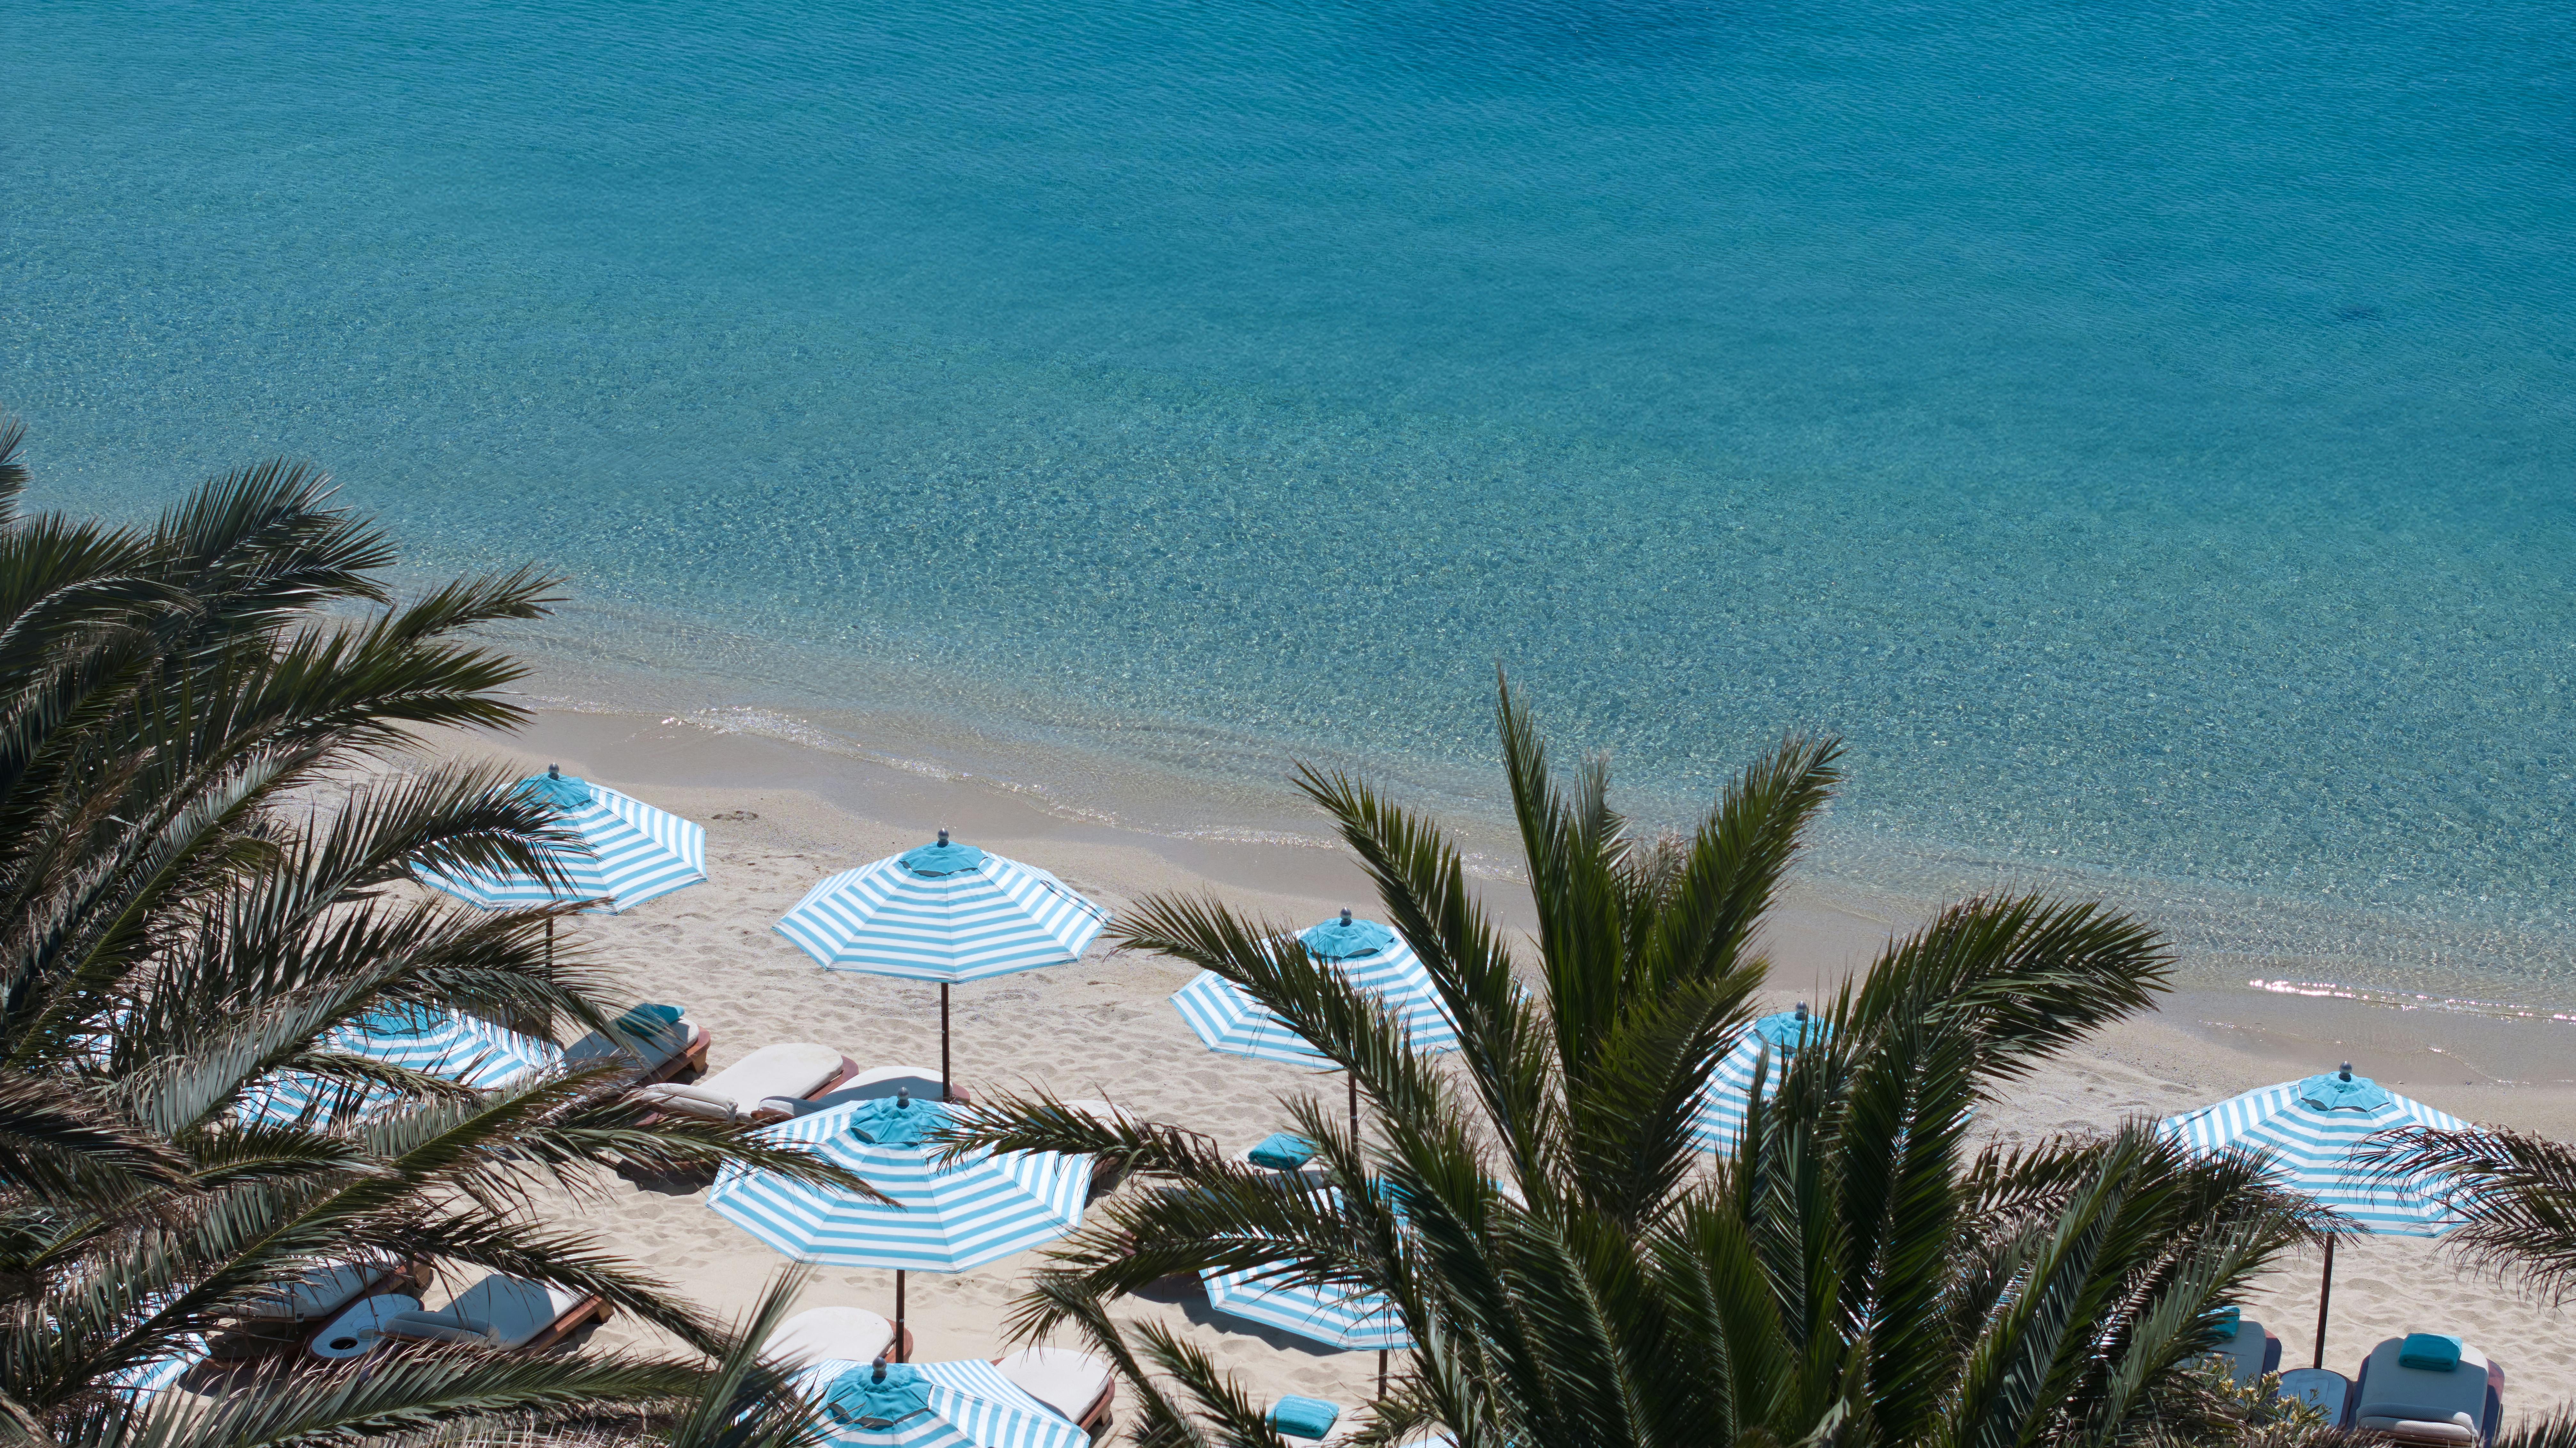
(202, 860)
(1568, 1272)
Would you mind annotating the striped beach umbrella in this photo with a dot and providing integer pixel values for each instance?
(2313, 1131)
(629, 852)
(947, 1218)
(931, 1405)
(1372, 957)
(448, 1044)
(944, 912)
(1730, 1086)
(1337, 1316)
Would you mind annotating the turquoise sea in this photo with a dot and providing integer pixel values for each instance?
(2146, 431)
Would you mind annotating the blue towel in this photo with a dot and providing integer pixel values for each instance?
(1280, 1151)
(2432, 1352)
(649, 1020)
(1304, 1417)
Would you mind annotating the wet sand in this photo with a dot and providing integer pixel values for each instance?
(780, 817)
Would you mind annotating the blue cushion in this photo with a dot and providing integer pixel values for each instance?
(1304, 1417)
(2225, 1320)
(1280, 1151)
(2432, 1352)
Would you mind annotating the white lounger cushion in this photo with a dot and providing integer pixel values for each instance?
(692, 1101)
(792, 1069)
(2427, 1406)
(501, 1310)
(319, 1293)
(1067, 1381)
(849, 1334)
(2398, 1422)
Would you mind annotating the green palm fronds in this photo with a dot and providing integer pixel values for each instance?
(2515, 1191)
(1571, 1273)
(199, 852)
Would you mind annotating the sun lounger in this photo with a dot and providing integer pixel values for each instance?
(2324, 1389)
(2251, 1353)
(2404, 1391)
(795, 1071)
(877, 1083)
(294, 1311)
(511, 1313)
(842, 1334)
(1075, 1384)
(660, 1048)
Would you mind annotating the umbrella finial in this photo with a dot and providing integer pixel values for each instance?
(1346, 916)
(879, 1375)
(903, 1098)
(943, 837)
(1802, 1010)
(2346, 1073)
(554, 771)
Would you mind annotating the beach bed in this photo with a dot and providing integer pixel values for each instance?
(744, 1091)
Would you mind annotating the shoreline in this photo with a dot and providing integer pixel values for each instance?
(1187, 781)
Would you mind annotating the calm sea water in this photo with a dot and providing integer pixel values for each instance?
(2146, 431)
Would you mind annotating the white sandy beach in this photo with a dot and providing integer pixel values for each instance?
(778, 819)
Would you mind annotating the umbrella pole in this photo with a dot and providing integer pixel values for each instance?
(898, 1315)
(550, 942)
(1381, 1374)
(1355, 1104)
(2325, 1295)
(945, 1092)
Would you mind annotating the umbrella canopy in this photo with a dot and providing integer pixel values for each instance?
(629, 853)
(1730, 1085)
(1337, 1316)
(932, 1405)
(2313, 1129)
(448, 1044)
(943, 912)
(949, 1218)
(1372, 957)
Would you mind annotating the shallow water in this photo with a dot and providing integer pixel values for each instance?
(2144, 433)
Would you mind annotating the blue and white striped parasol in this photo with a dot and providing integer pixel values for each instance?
(943, 912)
(1730, 1086)
(450, 1045)
(629, 853)
(932, 1405)
(2314, 1129)
(946, 1218)
(1372, 957)
(1337, 1316)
